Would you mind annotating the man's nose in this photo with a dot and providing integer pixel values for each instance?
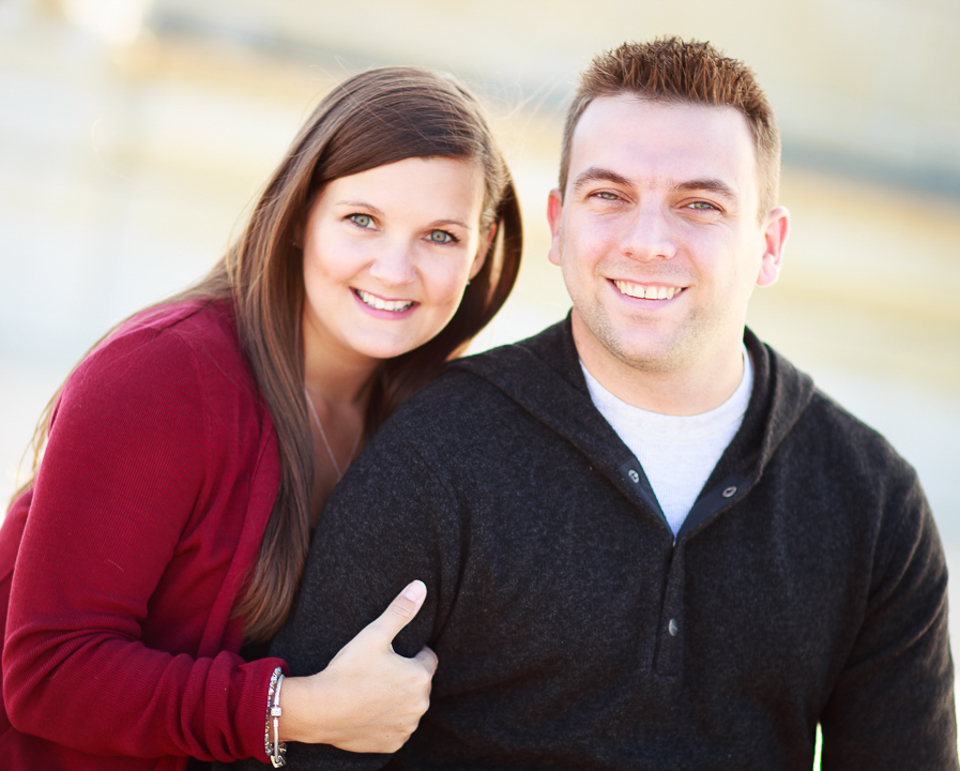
(649, 235)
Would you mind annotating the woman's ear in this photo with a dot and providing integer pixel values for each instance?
(485, 242)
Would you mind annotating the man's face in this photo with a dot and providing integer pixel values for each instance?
(658, 234)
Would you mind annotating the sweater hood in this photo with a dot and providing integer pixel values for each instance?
(542, 374)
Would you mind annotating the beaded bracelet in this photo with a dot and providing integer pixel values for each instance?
(276, 750)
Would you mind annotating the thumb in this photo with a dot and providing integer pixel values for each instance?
(428, 659)
(401, 611)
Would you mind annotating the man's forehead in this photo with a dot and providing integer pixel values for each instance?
(616, 132)
(628, 104)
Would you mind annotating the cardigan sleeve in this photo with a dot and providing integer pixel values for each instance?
(123, 470)
(893, 704)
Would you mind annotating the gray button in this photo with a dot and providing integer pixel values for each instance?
(634, 476)
(729, 492)
(672, 627)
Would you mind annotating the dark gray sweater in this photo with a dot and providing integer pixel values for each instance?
(807, 585)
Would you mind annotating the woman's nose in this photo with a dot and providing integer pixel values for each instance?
(393, 264)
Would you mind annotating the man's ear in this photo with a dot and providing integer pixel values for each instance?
(483, 249)
(774, 238)
(554, 211)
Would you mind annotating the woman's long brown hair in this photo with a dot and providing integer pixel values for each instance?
(371, 119)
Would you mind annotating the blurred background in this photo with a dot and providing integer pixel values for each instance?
(134, 133)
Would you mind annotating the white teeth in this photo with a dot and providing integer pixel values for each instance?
(647, 292)
(394, 306)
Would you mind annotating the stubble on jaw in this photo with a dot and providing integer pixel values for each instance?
(616, 340)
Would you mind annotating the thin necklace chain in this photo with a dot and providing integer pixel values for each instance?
(326, 443)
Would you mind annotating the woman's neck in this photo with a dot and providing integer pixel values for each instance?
(338, 385)
(335, 374)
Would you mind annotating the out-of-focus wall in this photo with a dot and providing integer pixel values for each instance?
(863, 84)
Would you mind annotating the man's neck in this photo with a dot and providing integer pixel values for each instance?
(684, 389)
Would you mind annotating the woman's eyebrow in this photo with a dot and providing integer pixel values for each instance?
(437, 223)
(446, 222)
(358, 204)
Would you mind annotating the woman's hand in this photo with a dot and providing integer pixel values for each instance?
(368, 699)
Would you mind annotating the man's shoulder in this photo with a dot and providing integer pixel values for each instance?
(812, 420)
(813, 436)
(849, 443)
(552, 347)
(827, 451)
(511, 369)
(472, 390)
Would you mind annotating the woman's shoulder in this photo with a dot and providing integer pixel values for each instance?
(198, 335)
(178, 353)
(197, 324)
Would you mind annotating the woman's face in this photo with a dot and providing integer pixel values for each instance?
(387, 254)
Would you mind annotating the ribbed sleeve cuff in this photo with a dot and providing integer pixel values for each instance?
(250, 713)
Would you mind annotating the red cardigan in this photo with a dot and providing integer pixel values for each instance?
(120, 569)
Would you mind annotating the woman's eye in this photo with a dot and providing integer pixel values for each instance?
(442, 237)
(361, 220)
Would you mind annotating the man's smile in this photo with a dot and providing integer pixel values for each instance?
(647, 291)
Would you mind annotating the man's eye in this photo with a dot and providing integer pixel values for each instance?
(361, 220)
(442, 237)
(607, 196)
(701, 206)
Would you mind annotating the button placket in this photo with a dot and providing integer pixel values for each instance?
(668, 660)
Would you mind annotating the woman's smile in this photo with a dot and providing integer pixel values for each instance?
(381, 304)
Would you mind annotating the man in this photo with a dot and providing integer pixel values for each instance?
(648, 541)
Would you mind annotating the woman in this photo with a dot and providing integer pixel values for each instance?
(189, 454)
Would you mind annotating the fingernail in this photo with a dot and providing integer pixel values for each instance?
(415, 591)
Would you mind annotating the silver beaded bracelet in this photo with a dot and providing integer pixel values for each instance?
(276, 750)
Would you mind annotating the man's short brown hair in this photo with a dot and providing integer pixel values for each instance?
(673, 70)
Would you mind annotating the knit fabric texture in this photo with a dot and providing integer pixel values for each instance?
(120, 569)
(807, 585)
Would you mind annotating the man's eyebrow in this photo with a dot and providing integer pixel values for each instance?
(601, 174)
(598, 174)
(711, 185)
